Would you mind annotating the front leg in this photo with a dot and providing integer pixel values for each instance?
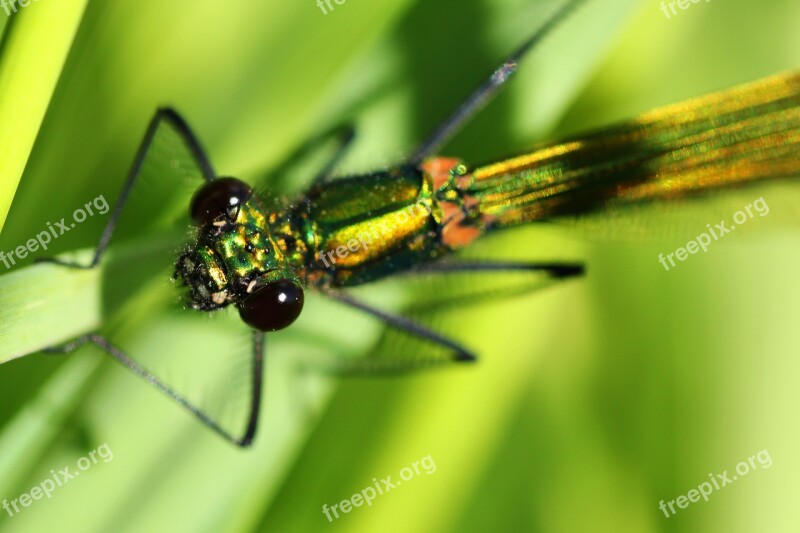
(171, 117)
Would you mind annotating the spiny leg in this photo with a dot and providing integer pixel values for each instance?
(171, 117)
(556, 270)
(344, 135)
(164, 114)
(553, 272)
(458, 353)
(259, 345)
(487, 90)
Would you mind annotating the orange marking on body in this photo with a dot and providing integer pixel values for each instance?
(438, 168)
(456, 234)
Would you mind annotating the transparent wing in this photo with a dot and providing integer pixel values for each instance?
(610, 179)
(778, 206)
(205, 359)
(424, 297)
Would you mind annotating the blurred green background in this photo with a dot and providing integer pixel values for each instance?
(593, 400)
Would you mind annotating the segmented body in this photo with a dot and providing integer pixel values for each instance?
(400, 218)
(355, 230)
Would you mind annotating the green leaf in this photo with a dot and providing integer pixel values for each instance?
(33, 53)
(33, 301)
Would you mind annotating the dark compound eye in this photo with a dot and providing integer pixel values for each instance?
(222, 196)
(273, 306)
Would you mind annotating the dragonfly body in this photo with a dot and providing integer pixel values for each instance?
(258, 256)
(343, 233)
(359, 229)
(363, 228)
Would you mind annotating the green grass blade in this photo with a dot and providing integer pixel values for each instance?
(44, 305)
(31, 62)
(32, 430)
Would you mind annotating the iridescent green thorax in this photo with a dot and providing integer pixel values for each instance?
(358, 228)
(363, 228)
(231, 258)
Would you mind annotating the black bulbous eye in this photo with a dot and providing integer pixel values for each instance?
(273, 306)
(222, 196)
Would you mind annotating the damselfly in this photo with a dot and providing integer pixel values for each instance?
(258, 257)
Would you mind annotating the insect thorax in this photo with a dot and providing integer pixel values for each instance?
(231, 258)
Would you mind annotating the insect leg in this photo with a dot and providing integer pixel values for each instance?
(386, 366)
(458, 353)
(343, 135)
(487, 90)
(164, 114)
(259, 340)
(542, 275)
(555, 270)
